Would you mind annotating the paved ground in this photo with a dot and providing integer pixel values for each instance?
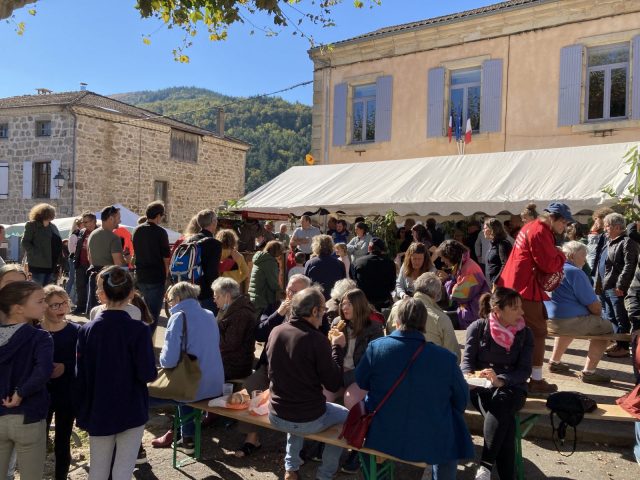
(597, 457)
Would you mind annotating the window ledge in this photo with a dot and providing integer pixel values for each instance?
(605, 125)
(362, 146)
(483, 136)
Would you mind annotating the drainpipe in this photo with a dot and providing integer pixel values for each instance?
(72, 173)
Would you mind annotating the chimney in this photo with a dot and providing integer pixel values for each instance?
(220, 121)
(83, 86)
(43, 91)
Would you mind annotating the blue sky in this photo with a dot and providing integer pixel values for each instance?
(100, 43)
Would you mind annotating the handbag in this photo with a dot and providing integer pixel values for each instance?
(356, 426)
(547, 281)
(180, 382)
(570, 408)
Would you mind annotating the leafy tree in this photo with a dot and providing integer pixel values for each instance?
(629, 202)
(279, 131)
(216, 16)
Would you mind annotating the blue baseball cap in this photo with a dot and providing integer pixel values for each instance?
(560, 209)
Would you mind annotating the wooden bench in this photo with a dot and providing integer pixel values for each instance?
(526, 418)
(534, 408)
(613, 337)
(372, 468)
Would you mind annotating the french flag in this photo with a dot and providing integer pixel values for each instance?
(450, 131)
(467, 133)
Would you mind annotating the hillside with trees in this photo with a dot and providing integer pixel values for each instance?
(279, 131)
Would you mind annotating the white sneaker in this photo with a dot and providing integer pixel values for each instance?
(483, 473)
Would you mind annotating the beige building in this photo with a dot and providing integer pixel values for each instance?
(527, 74)
(110, 152)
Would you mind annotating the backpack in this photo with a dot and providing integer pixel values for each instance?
(186, 262)
(570, 408)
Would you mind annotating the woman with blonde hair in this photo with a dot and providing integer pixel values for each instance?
(65, 337)
(232, 263)
(416, 262)
(42, 242)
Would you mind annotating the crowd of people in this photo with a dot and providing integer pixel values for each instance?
(341, 322)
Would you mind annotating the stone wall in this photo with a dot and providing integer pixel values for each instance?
(22, 145)
(119, 160)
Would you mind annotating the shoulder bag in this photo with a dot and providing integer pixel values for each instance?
(356, 426)
(182, 381)
(547, 281)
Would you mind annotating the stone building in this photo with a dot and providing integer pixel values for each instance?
(110, 152)
(528, 74)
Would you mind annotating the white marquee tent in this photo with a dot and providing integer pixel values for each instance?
(462, 184)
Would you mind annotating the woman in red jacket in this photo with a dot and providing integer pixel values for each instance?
(535, 254)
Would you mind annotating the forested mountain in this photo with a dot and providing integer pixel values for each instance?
(279, 131)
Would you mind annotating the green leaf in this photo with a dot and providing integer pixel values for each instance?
(32, 11)
(146, 40)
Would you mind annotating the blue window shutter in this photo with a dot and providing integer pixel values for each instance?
(339, 114)
(635, 78)
(491, 96)
(384, 99)
(570, 85)
(435, 102)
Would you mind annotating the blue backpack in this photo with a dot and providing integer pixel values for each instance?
(186, 263)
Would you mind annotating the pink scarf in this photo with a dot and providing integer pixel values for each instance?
(502, 335)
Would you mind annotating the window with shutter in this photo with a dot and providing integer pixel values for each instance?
(363, 125)
(41, 180)
(465, 97)
(184, 146)
(43, 128)
(607, 82)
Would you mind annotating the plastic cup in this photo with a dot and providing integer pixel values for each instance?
(227, 389)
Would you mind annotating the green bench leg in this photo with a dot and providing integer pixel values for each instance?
(522, 428)
(178, 422)
(374, 471)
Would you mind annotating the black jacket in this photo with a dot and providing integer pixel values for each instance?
(621, 263)
(371, 331)
(210, 261)
(237, 337)
(632, 232)
(481, 351)
(376, 277)
(497, 257)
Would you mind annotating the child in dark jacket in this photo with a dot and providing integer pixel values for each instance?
(115, 362)
(65, 337)
(26, 363)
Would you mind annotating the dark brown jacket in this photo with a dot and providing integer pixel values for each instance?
(237, 338)
(301, 362)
